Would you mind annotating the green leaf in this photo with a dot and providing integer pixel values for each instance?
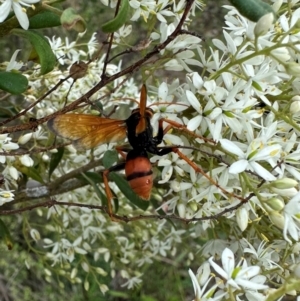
(128, 192)
(41, 46)
(71, 20)
(110, 158)
(30, 172)
(252, 9)
(14, 83)
(6, 112)
(5, 235)
(119, 19)
(44, 19)
(93, 179)
(55, 159)
(92, 176)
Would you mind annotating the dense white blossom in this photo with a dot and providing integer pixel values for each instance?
(238, 100)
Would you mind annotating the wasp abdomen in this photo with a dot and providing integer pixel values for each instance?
(139, 174)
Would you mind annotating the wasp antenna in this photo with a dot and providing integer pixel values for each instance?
(168, 103)
(143, 101)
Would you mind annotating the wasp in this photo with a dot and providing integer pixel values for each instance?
(88, 131)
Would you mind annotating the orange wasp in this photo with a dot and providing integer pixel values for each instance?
(88, 131)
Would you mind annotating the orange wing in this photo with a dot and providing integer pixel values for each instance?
(88, 131)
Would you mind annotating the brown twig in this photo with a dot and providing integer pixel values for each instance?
(51, 203)
(105, 80)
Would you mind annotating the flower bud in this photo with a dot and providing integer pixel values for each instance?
(73, 273)
(277, 219)
(274, 204)
(86, 285)
(276, 5)
(263, 24)
(181, 210)
(242, 218)
(295, 107)
(193, 206)
(26, 160)
(290, 192)
(103, 288)
(295, 98)
(292, 68)
(284, 183)
(25, 138)
(296, 270)
(281, 54)
(85, 267)
(35, 234)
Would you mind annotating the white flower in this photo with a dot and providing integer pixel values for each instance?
(200, 294)
(132, 282)
(142, 8)
(6, 145)
(6, 196)
(263, 254)
(247, 161)
(237, 277)
(19, 11)
(13, 65)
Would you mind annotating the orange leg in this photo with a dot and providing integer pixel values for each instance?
(199, 170)
(108, 190)
(120, 150)
(181, 127)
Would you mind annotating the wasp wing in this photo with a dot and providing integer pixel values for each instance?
(88, 131)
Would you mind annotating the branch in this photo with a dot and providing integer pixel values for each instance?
(105, 80)
(51, 203)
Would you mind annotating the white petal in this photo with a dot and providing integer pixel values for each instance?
(24, 2)
(196, 286)
(21, 15)
(228, 261)
(197, 80)
(13, 173)
(192, 99)
(4, 10)
(163, 91)
(249, 272)
(238, 166)
(194, 123)
(232, 147)
(251, 285)
(218, 269)
(267, 152)
(261, 171)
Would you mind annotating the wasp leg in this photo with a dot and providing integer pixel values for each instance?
(108, 190)
(174, 124)
(122, 150)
